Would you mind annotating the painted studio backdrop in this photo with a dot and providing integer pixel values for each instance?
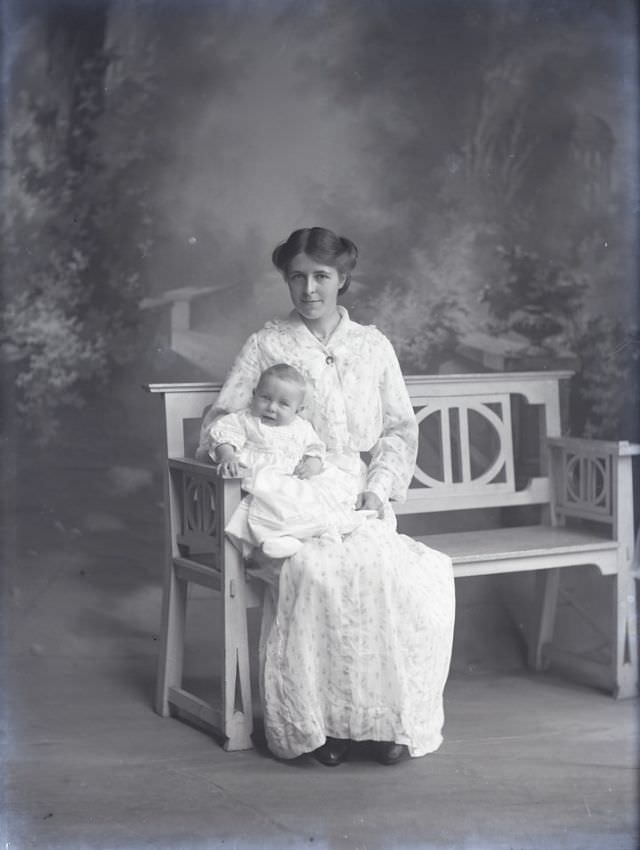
(481, 154)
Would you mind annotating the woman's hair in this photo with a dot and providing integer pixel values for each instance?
(285, 373)
(321, 245)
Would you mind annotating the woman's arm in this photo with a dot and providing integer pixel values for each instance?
(393, 457)
(235, 393)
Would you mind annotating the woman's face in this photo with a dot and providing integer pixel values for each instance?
(313, 287)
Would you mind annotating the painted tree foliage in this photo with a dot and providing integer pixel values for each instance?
(518, 162)
(478, 152)
(76, 221)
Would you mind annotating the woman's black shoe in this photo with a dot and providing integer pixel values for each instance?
(390, 753)
(333, 752)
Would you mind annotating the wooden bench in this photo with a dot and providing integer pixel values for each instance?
(490, 446)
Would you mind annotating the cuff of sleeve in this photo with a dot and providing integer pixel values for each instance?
(219, 437)
(380, 488)
(315, 451)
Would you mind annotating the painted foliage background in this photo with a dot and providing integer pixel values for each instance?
(481, 154)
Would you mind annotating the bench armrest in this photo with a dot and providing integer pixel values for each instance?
(198, 467)
(201, 505)
(586, 446)
(592, 480)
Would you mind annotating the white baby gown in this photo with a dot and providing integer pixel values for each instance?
(356, 634)
(279, 503)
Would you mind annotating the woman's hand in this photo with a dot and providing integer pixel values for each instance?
(308, 467)
(369, 501)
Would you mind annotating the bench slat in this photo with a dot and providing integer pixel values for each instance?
(520, 542)
(202, 574)
(205, 712)
(461, 497)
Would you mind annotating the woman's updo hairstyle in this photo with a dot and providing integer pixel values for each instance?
(323, 246)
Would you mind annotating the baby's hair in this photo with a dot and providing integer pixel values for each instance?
(285, 373)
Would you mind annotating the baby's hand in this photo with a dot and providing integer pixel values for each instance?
(231, 469)
(308, 467)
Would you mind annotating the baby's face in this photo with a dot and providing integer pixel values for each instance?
(276, 402)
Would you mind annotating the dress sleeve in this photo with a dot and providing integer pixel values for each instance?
(314, 447)
(235, 393)
(227, 429)
(393, 457)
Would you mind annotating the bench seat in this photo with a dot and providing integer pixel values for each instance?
(505, 550)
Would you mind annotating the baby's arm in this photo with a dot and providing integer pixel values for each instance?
(312, 461)
(228, 465)
(227, 436)
(308, 466)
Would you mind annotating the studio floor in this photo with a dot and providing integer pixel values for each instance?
(528, 762)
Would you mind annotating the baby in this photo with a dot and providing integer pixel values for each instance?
(294, 493)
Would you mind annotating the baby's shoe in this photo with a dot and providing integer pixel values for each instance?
(281, 547)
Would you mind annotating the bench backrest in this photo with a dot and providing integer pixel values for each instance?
(482, 436)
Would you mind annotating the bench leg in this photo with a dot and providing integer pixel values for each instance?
(544, 615)
(238, 707)
(171, 649)
(236, 686)
(625, 648)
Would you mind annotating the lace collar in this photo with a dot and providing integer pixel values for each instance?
(304, 334)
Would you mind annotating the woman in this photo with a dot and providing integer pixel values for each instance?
(356, 635)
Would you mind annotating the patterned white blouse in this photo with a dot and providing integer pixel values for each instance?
(357, 400)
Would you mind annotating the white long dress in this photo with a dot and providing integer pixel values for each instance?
(356, 635)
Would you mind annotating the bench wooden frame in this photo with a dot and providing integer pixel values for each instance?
(583, 490)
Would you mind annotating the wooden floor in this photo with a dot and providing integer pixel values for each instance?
(528, 763)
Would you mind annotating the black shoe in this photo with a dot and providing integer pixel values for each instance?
(333, 752)
(390, 753)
